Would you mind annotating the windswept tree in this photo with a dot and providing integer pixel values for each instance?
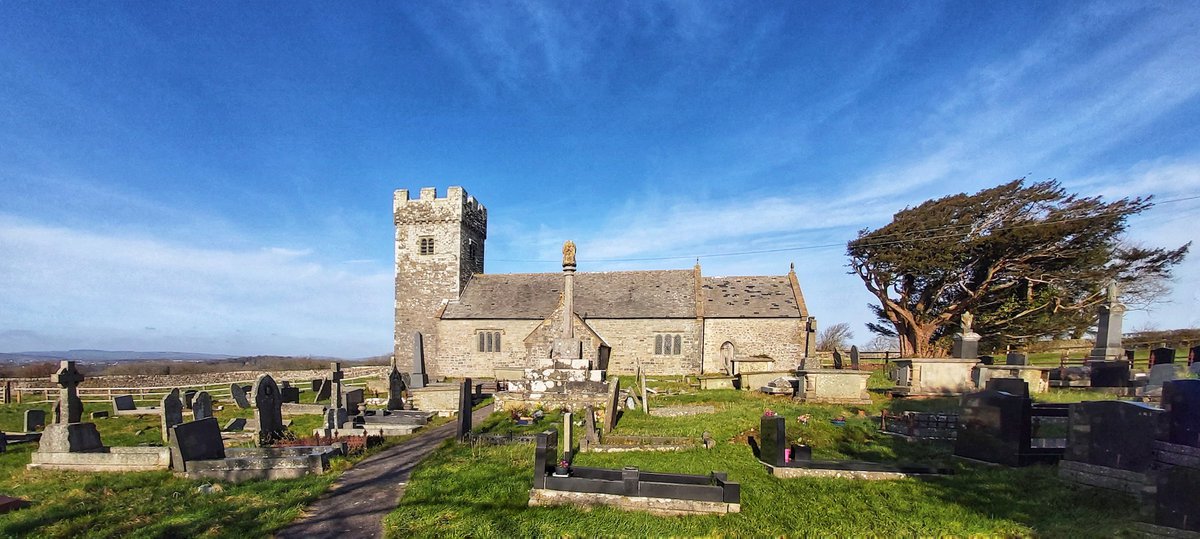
(834, 337)
(1026, 260)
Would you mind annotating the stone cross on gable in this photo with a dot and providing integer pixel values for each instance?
(69, 378)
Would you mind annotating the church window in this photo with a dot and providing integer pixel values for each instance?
(489, 341)
(668, 344)
(426, 245)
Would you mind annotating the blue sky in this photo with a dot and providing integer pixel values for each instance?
(217, 176)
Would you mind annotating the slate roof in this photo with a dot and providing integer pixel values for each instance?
(749, 297)
(623, 294)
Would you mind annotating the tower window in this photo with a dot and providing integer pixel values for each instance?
(426, 245)
(489, 341)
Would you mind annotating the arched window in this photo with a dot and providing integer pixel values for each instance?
(658, 345)
(678, 342)
(497, 341)
(489, 341)
(480, 342)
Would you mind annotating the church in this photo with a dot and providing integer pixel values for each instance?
(670, 322)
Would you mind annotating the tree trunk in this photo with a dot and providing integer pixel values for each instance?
(915, 340)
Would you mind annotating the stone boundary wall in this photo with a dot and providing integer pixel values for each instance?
(183, 380)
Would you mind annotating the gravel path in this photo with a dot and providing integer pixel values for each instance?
(357, 502)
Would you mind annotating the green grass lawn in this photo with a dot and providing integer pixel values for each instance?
(484, 490)
(149, 504)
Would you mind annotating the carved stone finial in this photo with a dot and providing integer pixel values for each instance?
(967, 320)
(1113, 292)
(568, 253)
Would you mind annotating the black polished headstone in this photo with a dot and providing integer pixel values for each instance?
(1129, 355)
(196, 440)
(290, 394)
(993, 427)
(1114, 434)
(1177, 498)
(987, 360)
(1160, 356)
(1181, 400)
(545, 457)
(1016, 358)
(1012, 386)
(773, 433)
(1109, 373)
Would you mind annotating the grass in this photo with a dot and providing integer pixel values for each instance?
(484, 490)
(150, 504)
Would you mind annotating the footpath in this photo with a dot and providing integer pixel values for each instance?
(357, 502)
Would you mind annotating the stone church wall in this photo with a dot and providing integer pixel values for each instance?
(633, 339)
(458, 347)
(781, 339)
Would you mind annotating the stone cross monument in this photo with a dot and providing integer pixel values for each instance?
(568, 349)
(966, 341)
(1108, 328)
(69, 378)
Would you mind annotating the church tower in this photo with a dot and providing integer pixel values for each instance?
(439, 246)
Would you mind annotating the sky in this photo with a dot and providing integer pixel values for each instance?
(217, 176)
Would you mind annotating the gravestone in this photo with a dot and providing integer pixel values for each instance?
(773, 442)
(395, 390)
(290, 394)
(1109, 373)
(171, 409)
(568, 434)
(1114, 434)
(1160, 374)
(239, 396)
(1177, 497)
(614, 405)
(354, 398)
(202, 406)
(1162, 356)
(236, 424)
(987, 360)
(323, 391)
(854, 358)
(1016, 358)
(1108, 326)
(189, 397)
(331, 420)
(196, 440)
(69, 378)
(465, 402)
(993, 427)
(1181, 400)
(124, 403)
(316, 384)
(35, 419)
(589, 426)
(268, 409)
(837, 359)
(337, 394)
(1012, 386)
(1129, 355)
(100, 414)
(418, 380)
(1193, 355)
(810, 363)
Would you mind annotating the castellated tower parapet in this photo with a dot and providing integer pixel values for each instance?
(439, 246)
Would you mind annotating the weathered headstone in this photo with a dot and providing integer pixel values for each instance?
(854, 358)
(196, 440)
(614, 405)
(1181, 400)
(236, 424)
(1012, 386)
(35, 419)
(465, 403)
(589, 426)
(202, 406)
(1159, 374)
(124, 403)
(171, 410)
(568, 433)
(1162, 356)
(645, 399)
(69, 378)
(331, 420)
(268, 409)
(290, 394)
(188, 397)
(239, 396)
(1016, 358)
(323, 391)
(337, 395)
(1108, 327)
(354, 398)
(418, 380)
(837, 359)
(395, 390)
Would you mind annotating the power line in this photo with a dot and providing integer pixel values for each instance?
(901, 238)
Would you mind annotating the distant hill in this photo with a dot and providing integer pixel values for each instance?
(106, 355)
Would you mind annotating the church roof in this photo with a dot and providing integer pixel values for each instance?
(750, 297)
(624, 294)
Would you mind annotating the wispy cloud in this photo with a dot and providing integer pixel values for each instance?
(97, 286)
